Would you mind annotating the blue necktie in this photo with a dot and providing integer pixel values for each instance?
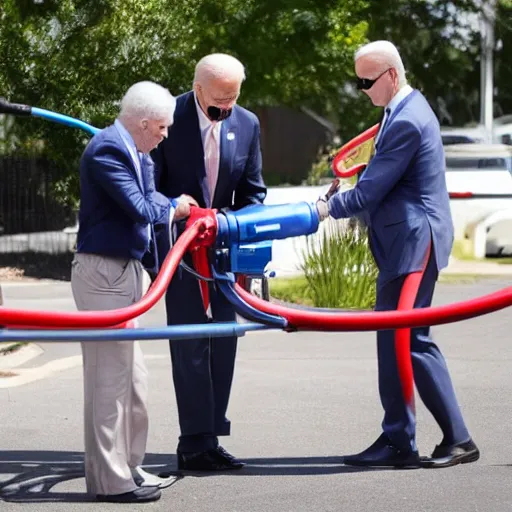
(143, 181)
(145, 165)
(383, 126)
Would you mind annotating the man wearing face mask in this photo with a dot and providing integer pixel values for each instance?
(213, 155)
(403, 194)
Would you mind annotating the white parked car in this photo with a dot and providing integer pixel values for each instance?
(501, 132)
(481, 169)
(462, 135)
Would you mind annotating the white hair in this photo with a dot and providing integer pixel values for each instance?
(219, 65)
(147, 100)
(386, 53)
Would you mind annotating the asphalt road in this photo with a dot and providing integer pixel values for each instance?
(299, 402)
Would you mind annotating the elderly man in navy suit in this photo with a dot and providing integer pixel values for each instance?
(119, 207)
(212, 154)
(403, 197)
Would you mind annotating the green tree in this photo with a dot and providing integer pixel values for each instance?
(440, 43)
(503, 67)
(79, 56)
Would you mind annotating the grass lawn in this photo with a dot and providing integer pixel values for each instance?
(501, 261)
(295, 289)
(290, 289)
(461, 250)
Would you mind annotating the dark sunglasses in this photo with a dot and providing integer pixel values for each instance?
(367, 83)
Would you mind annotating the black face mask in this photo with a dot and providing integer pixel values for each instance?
(218, 114)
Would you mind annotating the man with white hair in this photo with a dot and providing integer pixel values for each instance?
(118, 209)
(212, 154)
(403, 197)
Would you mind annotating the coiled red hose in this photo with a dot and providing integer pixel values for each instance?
(375, 320)
(15, 318)
(298, 319)
(348, 150)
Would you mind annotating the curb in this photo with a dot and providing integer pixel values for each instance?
(19, 377)
(20, 356)
(6, 347)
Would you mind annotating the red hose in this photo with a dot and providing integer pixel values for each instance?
(345, 152)
(376, 320)
(114, 317)
(461, 195)
(403, 338)
(298, 319)
(406, 302)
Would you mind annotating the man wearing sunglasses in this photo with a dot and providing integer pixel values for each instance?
(403, 197)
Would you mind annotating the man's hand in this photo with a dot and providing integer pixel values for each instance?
(183, 207)
(321, 205)
(335, 186)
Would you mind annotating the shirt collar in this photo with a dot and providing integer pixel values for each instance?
(399, 97)
(204, 120)
(125, 134)
(128, 139)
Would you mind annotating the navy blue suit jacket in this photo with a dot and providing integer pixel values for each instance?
(180, 166)
(402, 193)
(115, 209)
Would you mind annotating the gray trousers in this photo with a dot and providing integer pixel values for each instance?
(115, 376)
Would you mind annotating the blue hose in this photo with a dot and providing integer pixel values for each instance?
(62, 119)
(175, 332)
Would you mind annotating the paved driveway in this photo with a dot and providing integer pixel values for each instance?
(299, 402)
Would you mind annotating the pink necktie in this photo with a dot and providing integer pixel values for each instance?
(212, 161)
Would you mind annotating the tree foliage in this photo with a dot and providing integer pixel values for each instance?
(503, 67)
(440, 43)
(79, 57)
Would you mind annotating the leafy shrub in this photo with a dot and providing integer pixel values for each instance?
(339, 268)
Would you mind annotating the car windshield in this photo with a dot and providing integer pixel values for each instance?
(476, 164)
(456, 139)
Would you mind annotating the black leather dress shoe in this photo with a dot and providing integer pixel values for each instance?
(445, 456)
(237, 463)
(383, 453)
(140, 495)
(210, 460)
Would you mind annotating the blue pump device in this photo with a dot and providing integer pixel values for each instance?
(244, 237)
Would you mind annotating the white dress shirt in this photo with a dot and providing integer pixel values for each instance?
(392, 105)
(205, 126)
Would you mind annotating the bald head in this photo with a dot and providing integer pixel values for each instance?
(219, 66)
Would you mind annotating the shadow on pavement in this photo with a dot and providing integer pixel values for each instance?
(37, 472)
(291, 466)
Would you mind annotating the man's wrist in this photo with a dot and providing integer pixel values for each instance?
(322, 208)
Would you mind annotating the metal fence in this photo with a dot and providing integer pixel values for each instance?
(31, 219)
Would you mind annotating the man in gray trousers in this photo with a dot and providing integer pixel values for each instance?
(118, 209)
